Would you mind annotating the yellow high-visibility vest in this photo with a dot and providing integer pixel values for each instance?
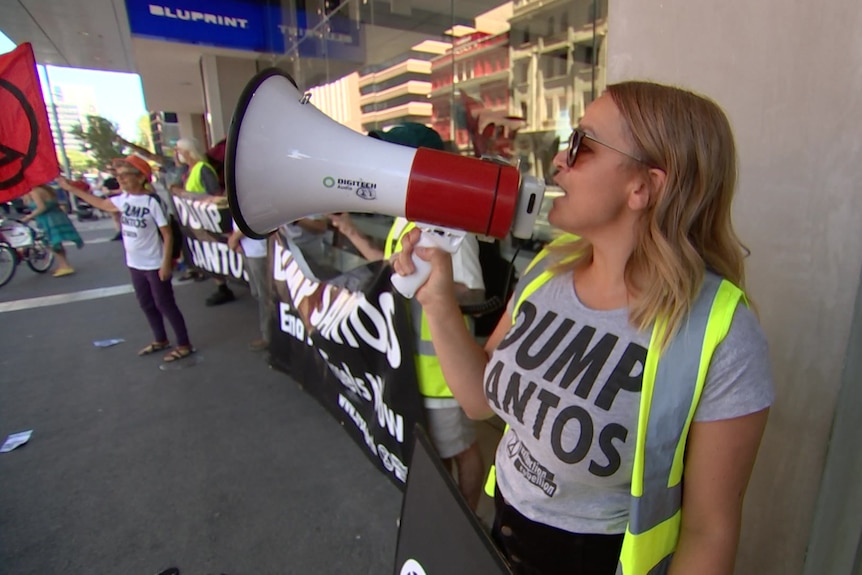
(664, 417)
(194, 183)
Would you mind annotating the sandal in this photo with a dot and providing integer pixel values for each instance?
(178, 353)
(154, 347)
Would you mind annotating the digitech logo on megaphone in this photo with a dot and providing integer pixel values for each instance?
(362, 188)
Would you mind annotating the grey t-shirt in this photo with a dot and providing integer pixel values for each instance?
(567, 380)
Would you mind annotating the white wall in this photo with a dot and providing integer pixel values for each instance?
(789, 75)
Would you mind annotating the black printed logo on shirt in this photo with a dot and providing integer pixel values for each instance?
(135, 216)
(532, 470)
(572, 360)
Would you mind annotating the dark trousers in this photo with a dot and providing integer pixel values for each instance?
(536, 549)
(156, 298)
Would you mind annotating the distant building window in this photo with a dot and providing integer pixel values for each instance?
(549, 108)
(171, 118)
(564, 21)
(551, 26)
(582, 53)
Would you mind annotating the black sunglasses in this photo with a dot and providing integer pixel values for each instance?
(578, 136)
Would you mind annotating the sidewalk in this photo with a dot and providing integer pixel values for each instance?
(225, 466)
(221, 466)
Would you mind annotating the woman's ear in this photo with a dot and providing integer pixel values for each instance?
(648, 189)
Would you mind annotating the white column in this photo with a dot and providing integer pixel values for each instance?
(224, 80)
(789, 75)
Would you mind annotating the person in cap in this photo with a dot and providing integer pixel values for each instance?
(45, 210)
(148, 241)
(452, 432)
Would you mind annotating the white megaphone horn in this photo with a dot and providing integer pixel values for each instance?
(286, 160)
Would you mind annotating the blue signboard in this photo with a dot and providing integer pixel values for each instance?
(245, 25)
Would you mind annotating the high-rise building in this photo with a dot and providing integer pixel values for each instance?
(474, 69)
(72, 104)
(340, 101)
(165, 128)
(397, 90)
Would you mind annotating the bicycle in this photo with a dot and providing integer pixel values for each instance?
(21, 242)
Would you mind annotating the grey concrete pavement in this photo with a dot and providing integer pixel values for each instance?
(224, 466)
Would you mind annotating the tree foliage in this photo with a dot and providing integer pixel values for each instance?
(99, 140)
(79, 161)
(145, 133)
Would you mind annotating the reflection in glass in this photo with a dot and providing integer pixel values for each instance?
(497, 79)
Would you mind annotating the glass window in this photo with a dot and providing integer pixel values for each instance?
(451, 66)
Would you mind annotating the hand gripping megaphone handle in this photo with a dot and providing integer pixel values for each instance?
(432, 237)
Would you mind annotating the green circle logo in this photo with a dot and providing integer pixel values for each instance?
(328, 181)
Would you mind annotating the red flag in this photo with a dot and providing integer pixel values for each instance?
(27, 154)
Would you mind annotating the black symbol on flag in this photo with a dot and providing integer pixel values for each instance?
(8, 154)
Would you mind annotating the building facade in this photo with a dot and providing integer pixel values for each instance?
(474, 72)
(397, 90)
(558, 58)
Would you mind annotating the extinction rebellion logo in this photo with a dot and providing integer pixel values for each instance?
(362, 188)
(412, 567)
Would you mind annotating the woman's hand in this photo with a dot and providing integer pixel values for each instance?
(166, 271)
(439, 288)
(233, 242)
(343, 223)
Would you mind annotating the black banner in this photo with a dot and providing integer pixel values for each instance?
(348, 342)
(438, 533)
(206, 224)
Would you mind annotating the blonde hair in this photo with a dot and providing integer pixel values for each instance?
(47, 191)
(687, 226)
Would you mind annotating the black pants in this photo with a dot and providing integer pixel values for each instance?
(537, 549)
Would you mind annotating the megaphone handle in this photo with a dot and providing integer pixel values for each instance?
(432, 237)
(408, 285)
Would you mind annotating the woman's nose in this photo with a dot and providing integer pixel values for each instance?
(559, 161)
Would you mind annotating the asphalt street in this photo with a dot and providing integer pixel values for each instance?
(224, 466)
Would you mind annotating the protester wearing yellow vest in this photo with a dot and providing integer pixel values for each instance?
(201, 178)
(631, 372)
(450, 430)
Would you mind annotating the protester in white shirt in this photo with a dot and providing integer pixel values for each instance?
(147, 240)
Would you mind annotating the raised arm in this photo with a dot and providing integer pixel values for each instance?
(360, 241)
(160, 160)
(103, 204)
(461, 357)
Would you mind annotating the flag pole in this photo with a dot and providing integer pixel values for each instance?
(66, 165)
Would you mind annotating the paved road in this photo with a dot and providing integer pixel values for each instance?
(224, 466)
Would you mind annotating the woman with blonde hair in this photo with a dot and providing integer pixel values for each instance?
(45, 210)
(632, 374)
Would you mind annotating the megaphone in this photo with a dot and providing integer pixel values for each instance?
(286, 160)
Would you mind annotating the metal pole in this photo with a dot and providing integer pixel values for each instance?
(66, 165)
